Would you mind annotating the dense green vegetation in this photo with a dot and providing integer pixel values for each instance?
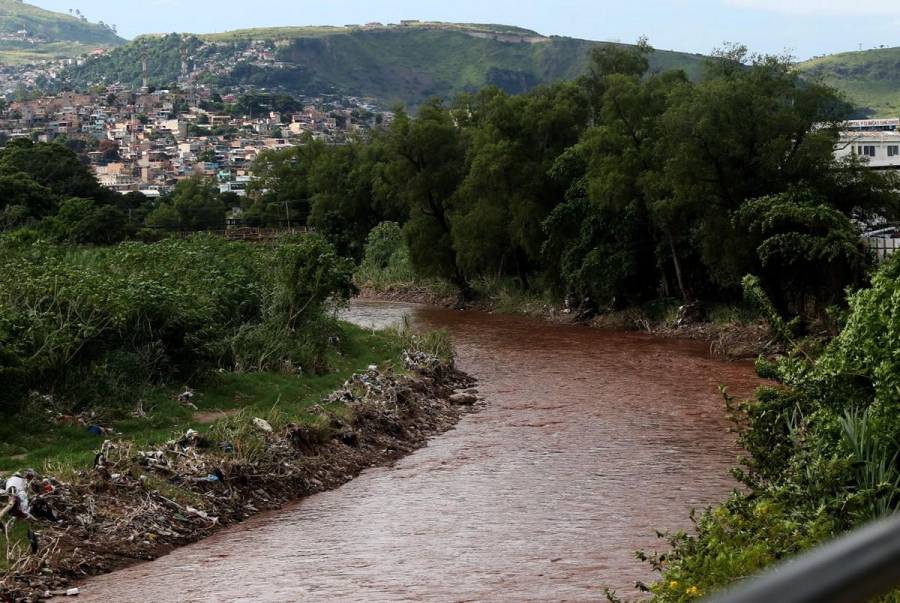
(870, 79)
(822, 452)
(617, 189)
(60, 35)
(94, 327)
(627, 188)
(35, 439)
(164, 54)
(407, 65)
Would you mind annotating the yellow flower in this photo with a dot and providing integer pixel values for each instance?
(673, 585)
(692, 591)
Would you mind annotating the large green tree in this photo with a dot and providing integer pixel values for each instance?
(426, 169)
(197, 201)
(750, 129)
(507, 193)
(351, 196)
(53, 166)
(280, 192)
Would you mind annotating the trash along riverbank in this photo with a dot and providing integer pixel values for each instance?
(139, 504)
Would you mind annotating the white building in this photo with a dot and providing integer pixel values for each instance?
(877, 141)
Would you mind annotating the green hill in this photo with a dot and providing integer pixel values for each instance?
(870, 78)
(29, 33)
(406, 64)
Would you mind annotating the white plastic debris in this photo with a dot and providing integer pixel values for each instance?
(17, 487)
(73, 592)
(262, 425)
(197, 512)
(202, 514)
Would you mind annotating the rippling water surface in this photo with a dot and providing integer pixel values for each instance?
(589, 442)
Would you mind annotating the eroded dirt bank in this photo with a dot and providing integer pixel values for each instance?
(137, 505)
(589, 441)
(727, 340)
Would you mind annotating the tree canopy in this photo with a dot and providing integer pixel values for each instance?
(617, 188)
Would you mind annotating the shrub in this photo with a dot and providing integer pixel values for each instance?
(822, 453)
(386, 259)
(89, 326)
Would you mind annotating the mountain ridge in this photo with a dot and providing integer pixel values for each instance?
(29, 33)
(870, 79)
(393, 63)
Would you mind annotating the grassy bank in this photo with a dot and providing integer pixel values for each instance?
(39, 440)
(62, 450)
(141, 500)
(96, 344)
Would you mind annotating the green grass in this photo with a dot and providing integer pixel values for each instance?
(274, 33)
(313, 31)
(870, 79)
(65, 35)
(44, 52)
(507, 297)
(393, 64)
(36, 441)
(61, 450)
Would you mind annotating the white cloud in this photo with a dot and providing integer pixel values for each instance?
(813, 8)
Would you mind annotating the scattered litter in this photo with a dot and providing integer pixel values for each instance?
(186, 398)
(202, 514)
(16, 490)
(118, 507)
(262, 425)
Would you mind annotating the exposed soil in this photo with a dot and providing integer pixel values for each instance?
(206, 417)
(139, 505)
(409, 294)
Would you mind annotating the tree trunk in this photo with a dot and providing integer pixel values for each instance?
(677, 263)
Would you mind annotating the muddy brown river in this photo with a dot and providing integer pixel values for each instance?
(588, 443)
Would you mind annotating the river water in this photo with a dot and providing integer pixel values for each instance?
(590, 441)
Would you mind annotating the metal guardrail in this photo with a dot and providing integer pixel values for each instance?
(852, 569)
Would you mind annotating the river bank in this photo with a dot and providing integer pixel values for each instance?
(729, 336)
(139, 504)
(589, 442)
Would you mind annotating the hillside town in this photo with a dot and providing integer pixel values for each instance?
(149, 140)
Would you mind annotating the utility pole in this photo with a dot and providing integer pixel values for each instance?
(145, 70)
(184, 63)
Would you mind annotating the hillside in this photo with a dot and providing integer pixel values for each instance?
(406, 64)
(29, 33)
(870, 78)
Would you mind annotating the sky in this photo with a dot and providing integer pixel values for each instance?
(803, 28)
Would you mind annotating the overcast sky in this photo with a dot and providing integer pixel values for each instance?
(803, 27)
